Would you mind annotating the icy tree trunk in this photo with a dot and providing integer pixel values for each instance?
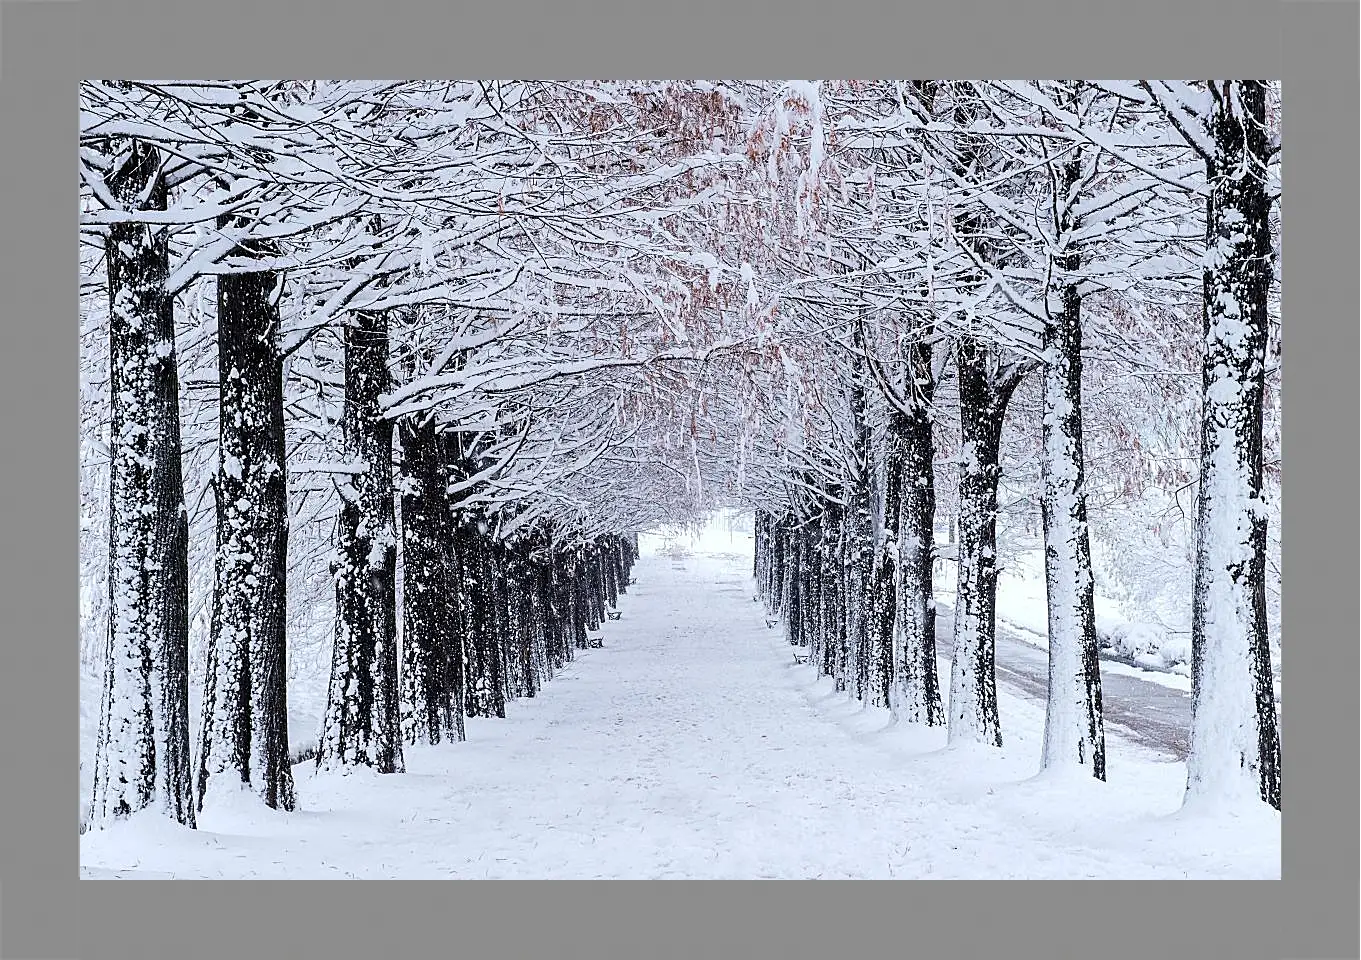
(859, 547)
(826, 591)
(517, 622)
(610, 569)
(142, 755)
(585, 603)
(811, 590)
(524, 610)
(916, 689)
(455, 661)
(880, 627)
(793, 618)
(516, 606)
(776, 581)
(845, 657)
(554, 608)
(504, 676)
(630, 547)
(758, 548)
(515, 680)
(770, 562)
(597, 579)
(362, 724)
(1235, 745)
(571, 587)
(543, 614)
(1073, 729)
(619, 559)
(884, 588)
(431, 711)
(580, 604)
(833, 610)
(478, 639)
(983, 398)
(565, 604)
(244, 734)
(777, 564)
(496, 626)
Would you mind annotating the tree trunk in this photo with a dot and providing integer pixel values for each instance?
(486, 695)
(505, 673)
(597, 580)
(1073, 730)
(833, 621)
(477, 630)
(610, 569)
(455, 657)
(983, 398)
(555, 608)
(883, 606)
(859, 545)
(142, 754)
(1235, 745)
(245, 705)
(916, 690)
(793, 619)
(363, 723)
(812, 587)
(431, 711)
(775, 581)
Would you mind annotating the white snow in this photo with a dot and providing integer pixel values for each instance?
(692, 746)
(1022, 612)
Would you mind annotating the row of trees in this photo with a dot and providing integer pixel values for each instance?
(344, 343)
(1067, 225)
(362, 284)
(485, 617)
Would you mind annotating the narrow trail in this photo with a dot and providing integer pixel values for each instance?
(691, 746)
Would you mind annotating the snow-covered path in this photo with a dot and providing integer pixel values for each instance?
(692, 746)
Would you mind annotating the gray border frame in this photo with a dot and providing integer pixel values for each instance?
(45, 912)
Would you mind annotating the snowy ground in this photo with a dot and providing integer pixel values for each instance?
(691, 745)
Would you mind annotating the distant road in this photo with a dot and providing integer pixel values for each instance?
(1154, 715)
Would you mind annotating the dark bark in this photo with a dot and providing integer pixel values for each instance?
(142, 753)
(1231, 660)
(811, 589)
(503, 673)
(883, 605)
(555, 609)
(362, 722)
(431, 707)
(245, 713)
(794, 589)
(596, 573)
(984, 393)
(455, 659)
(609, 560)
(911, 452)
(478, 629)
(833, 621)
(1073, 731)
(859, 532)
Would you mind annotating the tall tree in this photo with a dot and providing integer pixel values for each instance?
(142, 755)
(986, 385)
(432, 709)
(362, 721)
(1235, 743)
(859, 529)
(916, 690)
(1073, 728)
(244, 733)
